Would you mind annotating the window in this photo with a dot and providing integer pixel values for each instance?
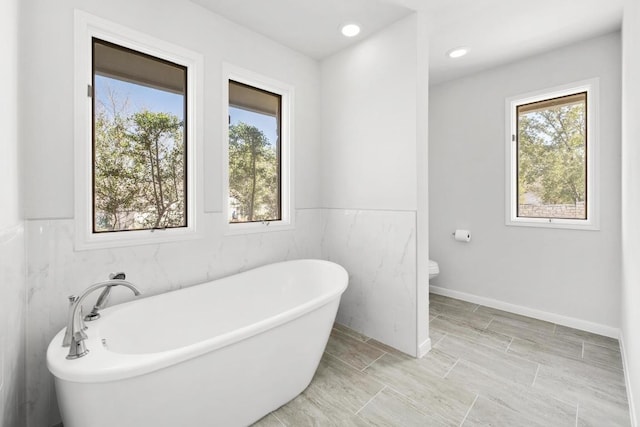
(135, 137)
(257, 152)
(552, 158)
(254, 154)
(139, 140)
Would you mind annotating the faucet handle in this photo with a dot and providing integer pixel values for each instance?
(117, 276)
(66, 341)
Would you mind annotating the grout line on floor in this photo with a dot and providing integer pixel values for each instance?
(279, 420)
(582, 349)
(350, 336)
(368, 401)
(488, 324)
(346, 363)
(402, 394)
(441, 338)
(555, 326)
(417, 406)
(469, 410)
(475, 309)
(535, 376)
(577, 411)
(506, 350)
(374, 361)
(451, 368)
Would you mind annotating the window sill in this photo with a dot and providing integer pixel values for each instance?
(135, 238)
(569, 224)
(257, 227)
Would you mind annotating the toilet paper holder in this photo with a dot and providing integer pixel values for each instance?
(462, 235)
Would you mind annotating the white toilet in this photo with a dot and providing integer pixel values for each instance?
(434, 270)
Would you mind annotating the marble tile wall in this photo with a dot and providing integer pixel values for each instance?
(378, 249)
(55, 271)
(12, 324)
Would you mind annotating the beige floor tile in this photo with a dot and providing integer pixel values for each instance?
(387, 348)
(431, 393)
(505, 365)
(305, 411)
(464, 305)
(517, 320)
(352, 351)
(578, 335)
(435, 335)
(492, 367)
(602, 356)
(436, 361)
(488, 413)
(600, 414)
(515, 328)
(551, 351)
(268, 421)
(578, 382)
(509, 400)
(391, 409)
(461, 328)
(336, 393)
(348, 331)
(478, 320)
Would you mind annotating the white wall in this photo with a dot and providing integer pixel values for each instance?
(369, 122)
(49, 146)
(56, 270)
(369, 180)
(571, 275)
(630, 312)
(12, 251)
(11, 212)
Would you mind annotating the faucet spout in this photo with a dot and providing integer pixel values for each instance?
(102, 300)
(75, 335)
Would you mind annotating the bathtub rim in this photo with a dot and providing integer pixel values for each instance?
(103, 365)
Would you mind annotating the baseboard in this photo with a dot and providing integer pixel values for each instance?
(424, 348)
(571, 322)
(632, 410)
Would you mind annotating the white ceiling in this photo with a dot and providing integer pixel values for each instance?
(500, 31)
(308, 26)
(496, 31)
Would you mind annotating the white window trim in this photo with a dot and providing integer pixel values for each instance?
(86, 27)
(592, 222)
(241, 75)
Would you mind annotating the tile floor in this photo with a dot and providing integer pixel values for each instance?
(487, 367)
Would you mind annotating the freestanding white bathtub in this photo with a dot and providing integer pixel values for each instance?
(223, 353)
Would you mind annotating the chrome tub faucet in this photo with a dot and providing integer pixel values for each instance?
(102, 300)
(75, 336)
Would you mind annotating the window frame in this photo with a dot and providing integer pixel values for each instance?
(592, 222)
(88, 27)
(286, 92)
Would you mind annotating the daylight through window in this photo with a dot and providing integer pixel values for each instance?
(139, 140)
(255, 193)
(552, 158)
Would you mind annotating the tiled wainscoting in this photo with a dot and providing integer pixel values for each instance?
(487, 367)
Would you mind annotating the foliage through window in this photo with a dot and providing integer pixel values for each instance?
(254, 154)
(552, 158)
(139, 140)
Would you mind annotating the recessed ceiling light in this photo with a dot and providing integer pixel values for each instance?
(458, 52)
(350, 30)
